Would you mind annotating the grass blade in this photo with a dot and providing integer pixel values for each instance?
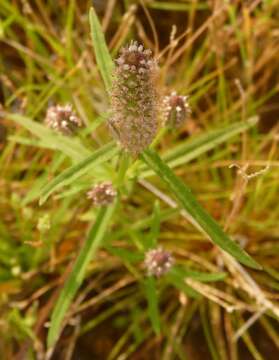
(152, 300)
(72, 173)
(195, 210)
(151, 238)
(69, 146)
(103, 58)
(208, 333)
(183, 273)
(93, 241)
(190, 150)
(176, 280)
(207, 141)
(170, 6)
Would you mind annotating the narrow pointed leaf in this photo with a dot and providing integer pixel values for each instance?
(152, 303)
(193, 148)
(71, 147)
(184, 272)
(103, 58)
(151, 238)
(74, 172)
(195, 210)
(92, 243)
(175, 279)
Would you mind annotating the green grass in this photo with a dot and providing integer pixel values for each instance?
(59, 282)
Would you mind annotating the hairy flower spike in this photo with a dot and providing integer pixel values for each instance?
(134, 98)
(102, 194)
(63, 119)
(176, 110)
(158, 261)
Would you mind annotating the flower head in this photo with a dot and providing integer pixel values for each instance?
(63, 119)
(134, 98)
(158, 261)
(102, 194)
(176, 110)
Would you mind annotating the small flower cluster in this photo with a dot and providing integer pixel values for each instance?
(63, 119)
(134, 98)
(102, 194)
(158, 261)
(176, 110)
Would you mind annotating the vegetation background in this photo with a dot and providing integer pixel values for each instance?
(224, 55)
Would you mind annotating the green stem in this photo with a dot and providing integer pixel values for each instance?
(124, 160)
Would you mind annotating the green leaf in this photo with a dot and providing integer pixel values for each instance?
(151, 238)
(198, 214)
(74, 172)
(192, 149)
(103, 58)
(152, 301)
(177, 280)
(92, 243)
(208, 333)
(124, 254)
(170, 6)
(183, 273)
(69, 146)
(35, 190)
(21, 323)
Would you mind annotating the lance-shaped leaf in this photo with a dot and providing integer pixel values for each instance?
(71, 147)
(198, 214)
(153, 303)
(92, 243)
(103, 58)
(191, 149)
(74, 172)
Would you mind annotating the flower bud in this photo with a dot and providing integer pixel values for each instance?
(102, 194)
(158, 261)
(176, 110)
(134, 99)
(63, 119)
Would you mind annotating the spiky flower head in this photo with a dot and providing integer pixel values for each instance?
(176, 110)
(134, 98)
(102, 194)
(63, 119)
(158, 261)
